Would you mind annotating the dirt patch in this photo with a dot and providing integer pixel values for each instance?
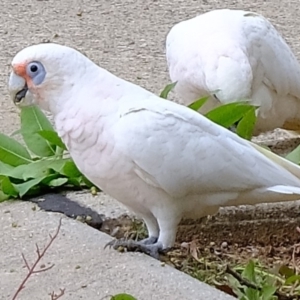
(206, 247)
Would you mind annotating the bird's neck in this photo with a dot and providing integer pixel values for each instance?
(83, 88)
(97, 89)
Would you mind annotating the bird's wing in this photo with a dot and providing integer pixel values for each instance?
(182, 152)
(280, 67)
(234, 52)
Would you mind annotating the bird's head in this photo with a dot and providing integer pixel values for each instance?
(42, 73)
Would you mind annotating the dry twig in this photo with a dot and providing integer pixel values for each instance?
(57, 296)
(31, 269)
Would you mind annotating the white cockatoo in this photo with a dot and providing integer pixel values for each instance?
(235, 55)
(162, 160)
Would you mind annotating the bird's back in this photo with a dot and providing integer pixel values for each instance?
(234, 55)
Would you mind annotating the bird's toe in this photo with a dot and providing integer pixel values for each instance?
(147, 246)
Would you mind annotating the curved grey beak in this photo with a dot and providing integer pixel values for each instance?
(18, 90)
(21, 94)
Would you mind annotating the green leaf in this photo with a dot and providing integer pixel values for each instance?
(58, 182)
(5, 168)
(268, 292)
(75, 181)
(246, 125)
(292, 279)
(198, 103)
(56, 164)
(122, 297)
(252, 294)
(37, 169)
(46, 181)
(164, 94)
(8, 188)
(12, 152)
(228, 114)
(23, 188)
(25, 172)
(249, 272)
(33, 121)
(16, 132)
(70, 170)
(53, 138)
(286, 271)
(235, 285)
(294, 156)
(3, 196)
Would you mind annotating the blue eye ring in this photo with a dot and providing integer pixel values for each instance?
(36, 72)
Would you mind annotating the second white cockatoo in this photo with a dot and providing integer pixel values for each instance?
(162, 160)
(235, 55)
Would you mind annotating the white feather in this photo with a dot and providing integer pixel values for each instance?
(240, 55)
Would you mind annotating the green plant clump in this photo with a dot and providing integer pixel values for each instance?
(42, 164)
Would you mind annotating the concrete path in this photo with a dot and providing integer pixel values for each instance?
(81, 266)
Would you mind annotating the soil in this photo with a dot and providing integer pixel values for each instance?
(248, 231)
(206, 247)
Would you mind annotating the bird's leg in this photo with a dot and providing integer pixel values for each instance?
(148, 241)
(148, 245)
(153, 230)
(168, 224)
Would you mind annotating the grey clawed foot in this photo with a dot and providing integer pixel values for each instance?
(144, 246)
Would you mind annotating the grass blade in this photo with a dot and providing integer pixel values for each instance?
(164, 94)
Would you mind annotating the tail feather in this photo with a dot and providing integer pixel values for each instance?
(287, 190)
(273, 194)
(286, 164)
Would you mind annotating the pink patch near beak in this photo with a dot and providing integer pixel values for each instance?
(20, 70)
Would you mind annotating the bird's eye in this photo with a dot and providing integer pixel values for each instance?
(36, 71)
(33, 68)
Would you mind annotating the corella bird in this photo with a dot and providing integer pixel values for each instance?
(236, 55)
(162, 160)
